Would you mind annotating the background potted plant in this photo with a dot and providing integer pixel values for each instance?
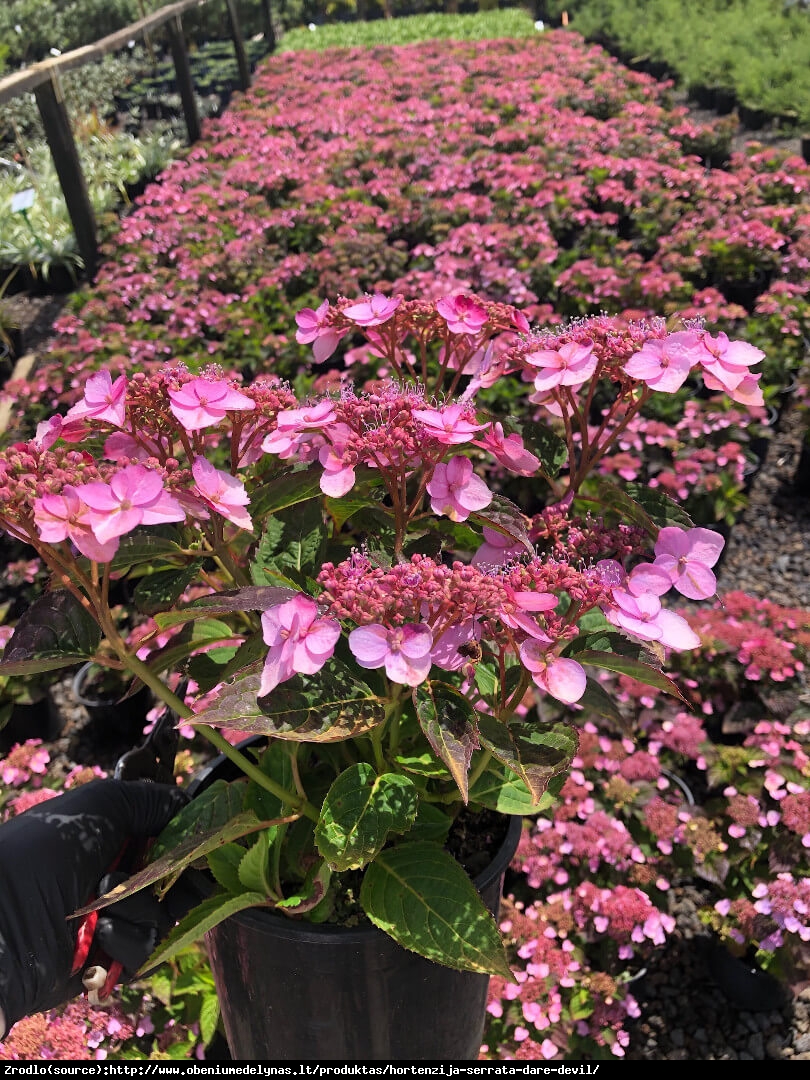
(406, 639)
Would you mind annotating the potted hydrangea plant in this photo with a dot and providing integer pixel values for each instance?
(347, 585)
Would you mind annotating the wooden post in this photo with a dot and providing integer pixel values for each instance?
(269, 29)
(239, 46)
(185, 84)
(65, 156)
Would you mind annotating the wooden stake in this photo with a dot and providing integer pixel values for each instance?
(185, 84)
(68, 167)
(239, 46)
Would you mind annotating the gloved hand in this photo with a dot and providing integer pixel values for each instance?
(52, 859)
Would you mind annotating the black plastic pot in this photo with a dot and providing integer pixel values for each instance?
(742, 982)
(40, 720)
(122, 716)
(301, 991)
(801, 475)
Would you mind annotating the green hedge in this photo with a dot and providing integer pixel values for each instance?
(759, 49)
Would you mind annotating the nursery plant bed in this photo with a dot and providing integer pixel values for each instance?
(775, 530)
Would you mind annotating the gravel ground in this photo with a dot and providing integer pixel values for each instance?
(686, 1011)
(769, 548)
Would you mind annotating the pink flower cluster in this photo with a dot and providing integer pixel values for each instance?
(24, 762)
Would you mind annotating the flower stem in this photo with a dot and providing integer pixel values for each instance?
(217, 740)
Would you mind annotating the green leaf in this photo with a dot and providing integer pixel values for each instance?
(209, 1017)
(293, 552)
(311, 893)
(55, 631)
(486, 679)
(176, 860)
(360, 811)
(216, 666)
(206, 669)
(421, 897)
(597, 700)
(160, 590)
(498, 788)
(449, 723)
(215, 806)
(341, 510)
(593, 622)
(224, 865)
(251, 598)
(546, 444)
(535, 752)
(626, 665)
(660, 508)
(609, 640)
(506, 518)
(255, 866)
(431, 824)
(288, 489)
(199, 921)
(265, 549)
(274, 763)
(330, 706)
(649, 509)
(422, 765)
(148, 544)
(204, 633)
(615, 498)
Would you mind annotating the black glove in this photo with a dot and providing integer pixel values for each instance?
(52, 858)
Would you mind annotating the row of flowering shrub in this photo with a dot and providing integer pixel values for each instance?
(536, 172)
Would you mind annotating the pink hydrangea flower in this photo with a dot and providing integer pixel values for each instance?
(373, 311)
(203, 402)
(292, 426)
(562, 678)
(29, 799)
(404, 651)
(300, 642)
(134, 496)
(648, 578)
(687, 556)
(103, 400)
(644, 617)
(23, 760)
(313, 328)
(445, 652)
(509, 451)
(337, 478)
(456, 491)
(66, 517)
(58, 427)
(726, 362)
(497, 549)
(664, 364)
(462, 314)
(120, 445)
(448, 425)
(570, 365)
(222, 492)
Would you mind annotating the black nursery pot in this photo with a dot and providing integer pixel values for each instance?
(301, 991)
(40, 720)
(124, 715)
